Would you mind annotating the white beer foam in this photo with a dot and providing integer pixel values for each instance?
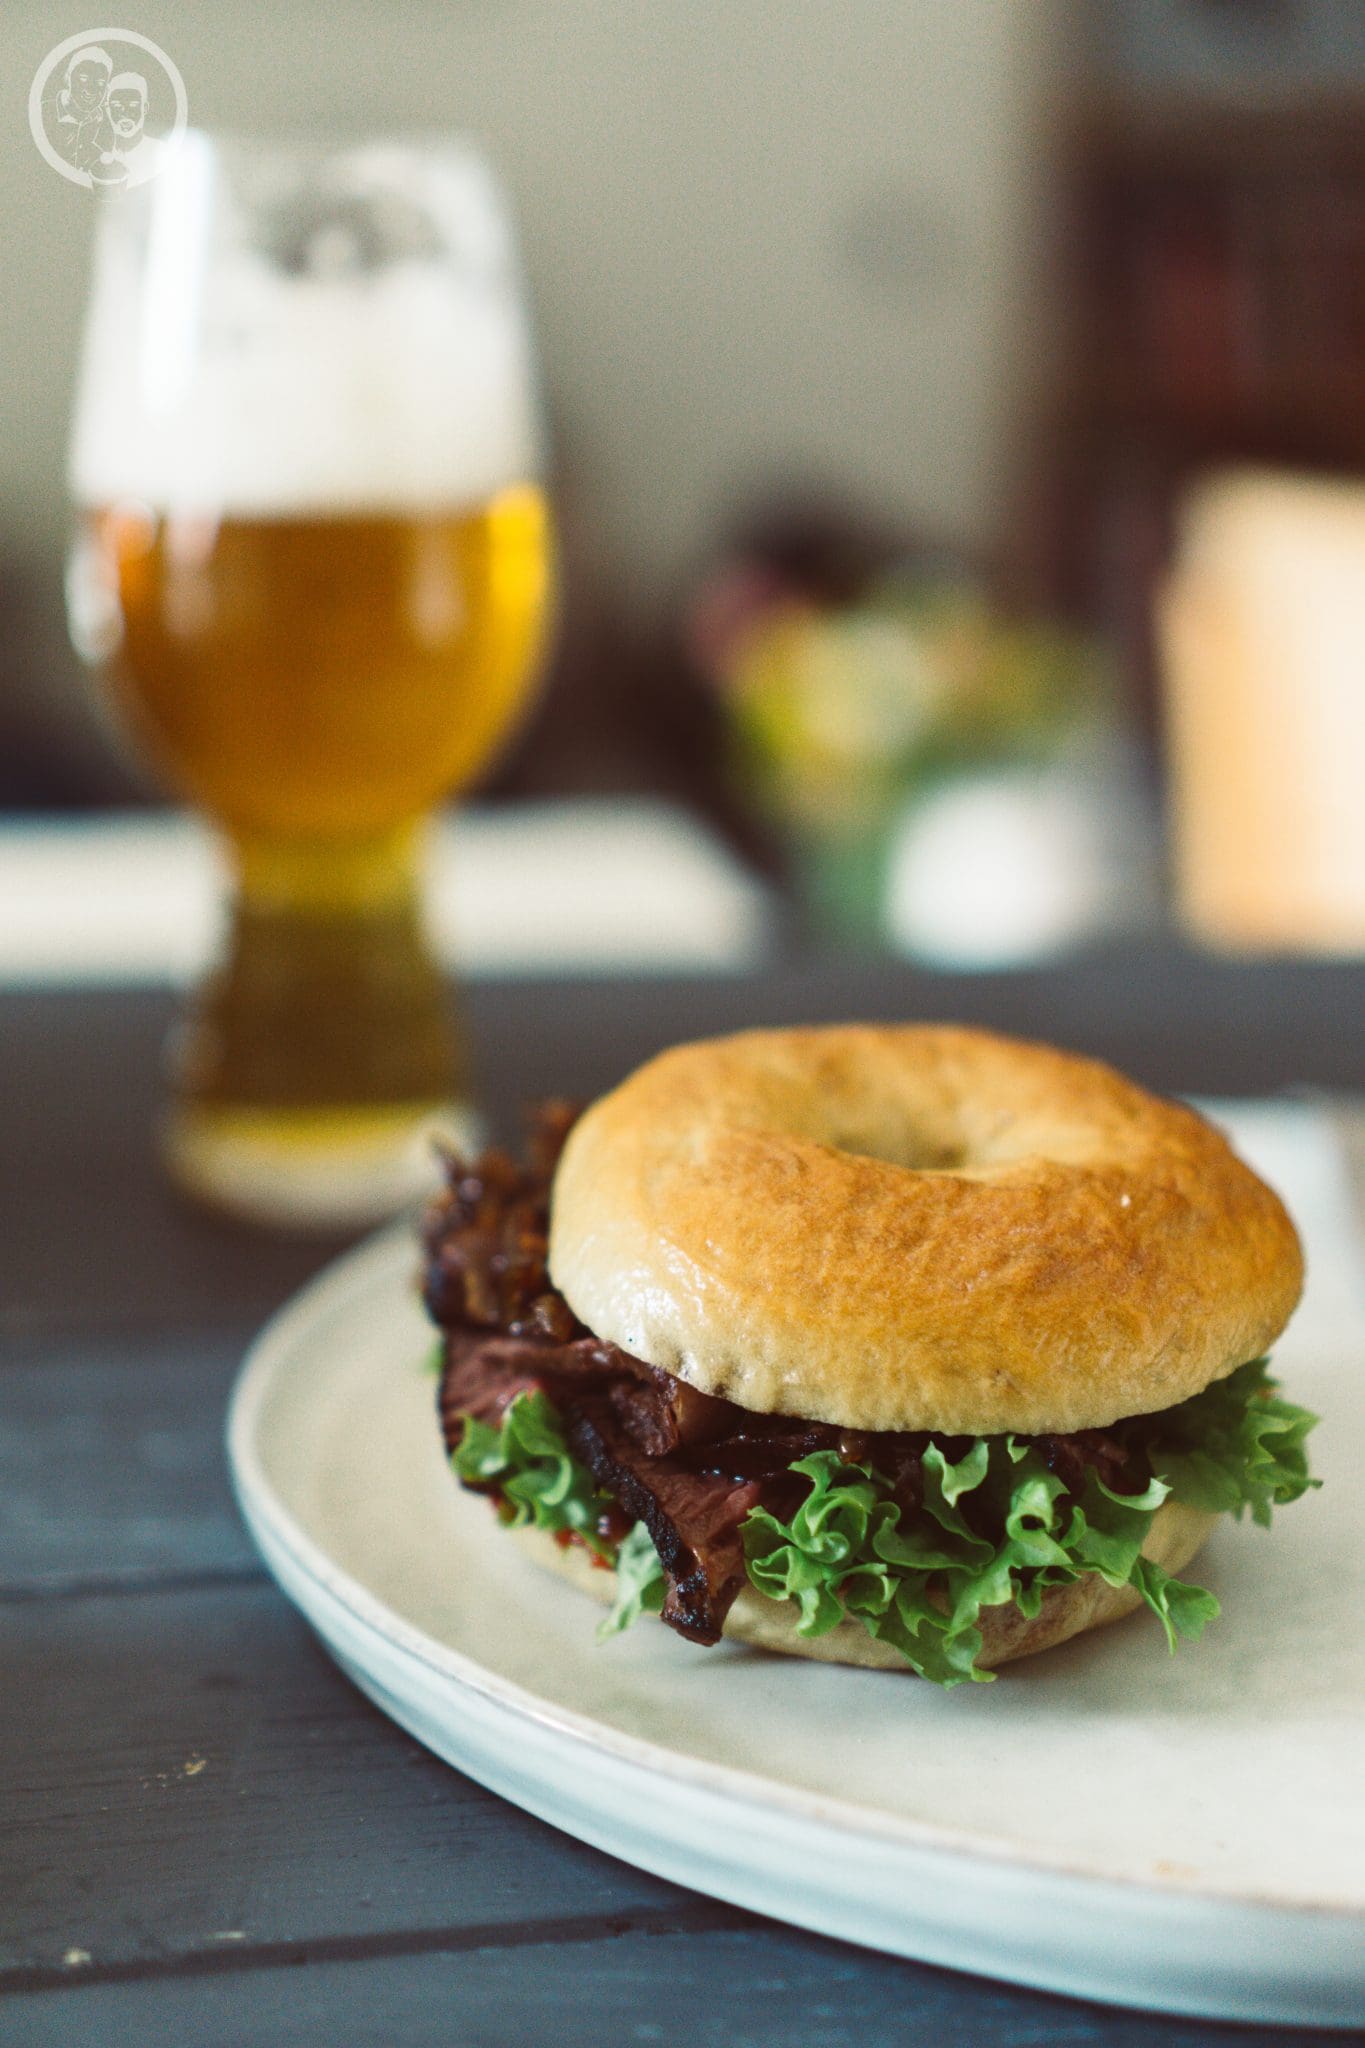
(269, 395)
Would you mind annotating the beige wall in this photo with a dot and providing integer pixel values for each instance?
(766, 237)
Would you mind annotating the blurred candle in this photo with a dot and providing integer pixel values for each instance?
(1263, 634)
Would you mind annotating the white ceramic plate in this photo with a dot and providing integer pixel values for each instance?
(1184, 1834)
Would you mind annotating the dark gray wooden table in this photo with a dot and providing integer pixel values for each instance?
(207, 1835)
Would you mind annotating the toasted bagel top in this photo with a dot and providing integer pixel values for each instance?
(917, 1227)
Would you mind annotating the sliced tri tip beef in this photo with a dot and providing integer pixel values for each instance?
(695, 1518)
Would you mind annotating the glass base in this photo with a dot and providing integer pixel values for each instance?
(314, 1068)
(314, 1169)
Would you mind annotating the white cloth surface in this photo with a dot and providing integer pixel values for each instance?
(599, 886)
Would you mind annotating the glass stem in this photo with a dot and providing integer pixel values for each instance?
(326, 995)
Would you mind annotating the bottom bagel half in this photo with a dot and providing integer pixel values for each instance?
(1176, 1534)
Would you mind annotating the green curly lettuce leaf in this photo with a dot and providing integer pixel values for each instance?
(848, 1552)
(640, 1584)
(528, 1467)
(1237, 1445)
(995, 1525)
(526, 1463)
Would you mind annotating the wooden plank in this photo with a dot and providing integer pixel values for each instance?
(111, 1462)
(1175, 1020)
(90, 1233)
(757, 1986)
(184, 1769)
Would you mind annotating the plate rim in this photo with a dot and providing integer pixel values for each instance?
(365, 1268)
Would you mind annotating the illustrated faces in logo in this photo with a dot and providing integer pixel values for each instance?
(98, 104)
(125, 152)
(80, 103)
(127, 108)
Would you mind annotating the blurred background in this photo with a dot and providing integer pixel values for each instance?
(957, 430)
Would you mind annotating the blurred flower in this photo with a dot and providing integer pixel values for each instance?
(833, 708)
(840, 713)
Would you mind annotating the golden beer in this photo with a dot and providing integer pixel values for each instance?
(317, 685)
(326, 679)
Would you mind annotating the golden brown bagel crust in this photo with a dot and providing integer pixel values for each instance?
(1175, 1535)
(917, 1227)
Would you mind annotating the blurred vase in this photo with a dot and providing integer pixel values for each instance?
(1003, 865)
(841, 879)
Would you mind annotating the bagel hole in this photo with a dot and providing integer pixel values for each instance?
(914, 1152)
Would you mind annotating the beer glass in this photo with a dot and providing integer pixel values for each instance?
(312, 562)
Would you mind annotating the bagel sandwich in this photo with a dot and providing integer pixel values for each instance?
(904, 1346)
